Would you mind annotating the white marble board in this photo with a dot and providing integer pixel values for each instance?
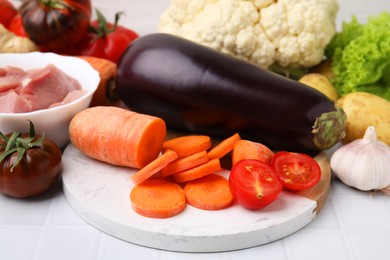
(99, 193)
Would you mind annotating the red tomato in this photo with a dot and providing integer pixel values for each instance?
(16, 26)
(106, 40)
(7, 11)
(297, 171)
(254, 184)
(29, 164)
(56, 25)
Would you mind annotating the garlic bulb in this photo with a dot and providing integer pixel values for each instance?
(363, 163)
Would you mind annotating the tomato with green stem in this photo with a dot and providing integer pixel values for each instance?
(29, 163)
(16, 26)
(297, 171)
(7, 11)
(56, 25)
(105, 40)
(254, 184)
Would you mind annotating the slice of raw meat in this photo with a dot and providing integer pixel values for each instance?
(46, 86)
(11, 102)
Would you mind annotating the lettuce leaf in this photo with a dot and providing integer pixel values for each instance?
(360, 56)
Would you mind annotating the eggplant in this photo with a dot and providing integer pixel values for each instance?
(198, 89)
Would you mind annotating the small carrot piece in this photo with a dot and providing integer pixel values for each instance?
(185, 163)
(188, 144)
(117, 136)
(158, 199)
(224, 147)
(245, 149)
(210, 192)
(106, 94)
(153, 167)
(207, 168)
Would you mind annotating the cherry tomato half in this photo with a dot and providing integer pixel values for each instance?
(254, 184)
(297, 171)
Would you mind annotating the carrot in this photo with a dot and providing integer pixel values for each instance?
(106, 94)
(224, 147)
(188, 144)
(158, 199)
(153, 167)
(245, 149)
(198, 171)
(210, 192)
(117, 136)
(185, 163)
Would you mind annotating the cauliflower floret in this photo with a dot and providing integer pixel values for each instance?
(288, 33)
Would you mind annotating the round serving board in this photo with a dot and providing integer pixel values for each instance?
(99, 193)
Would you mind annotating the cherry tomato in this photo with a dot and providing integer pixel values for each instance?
(29, 164)
(297, 171)
(105, 40)
(16, 26)
(56, 25)
(7, 12)
(254, 184)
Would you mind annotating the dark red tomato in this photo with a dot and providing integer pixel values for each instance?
(56, 25)
(254, 184)
(105, 40)
(7, 12)
(297, 171)
(16, 26)
(30, 170)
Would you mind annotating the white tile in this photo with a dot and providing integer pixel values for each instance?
(23, 212)
(370, 245)
(318, 245)
(275, 251)
(14, 238)
(62, 214)
(326, 218)
(114, 248)
(69, 243)
(370, 212)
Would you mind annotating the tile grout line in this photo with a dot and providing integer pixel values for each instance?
(44, 228)
(350, 250)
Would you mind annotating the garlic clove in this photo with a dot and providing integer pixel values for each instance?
(364, 163)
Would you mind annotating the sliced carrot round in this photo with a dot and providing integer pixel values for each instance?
(210, 192)
(185, 163)
(188, 144)
(154, 167)
(224, 147)
(158, 199)
(207, 168)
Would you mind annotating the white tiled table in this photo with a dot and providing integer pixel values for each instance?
(352, 225)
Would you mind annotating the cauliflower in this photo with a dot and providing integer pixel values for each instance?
(287, 33)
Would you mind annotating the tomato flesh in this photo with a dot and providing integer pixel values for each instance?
(254, 184)
(297, 171)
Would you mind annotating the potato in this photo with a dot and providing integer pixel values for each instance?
(321, 83)
(363, 110)
(324, 68)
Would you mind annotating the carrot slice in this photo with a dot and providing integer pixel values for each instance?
(245, 149)
(210, 192)
(153, 167)
(188, 144)
(199, 171)
(117, 136)
(224, 147)
(158, 199)
(185, 163)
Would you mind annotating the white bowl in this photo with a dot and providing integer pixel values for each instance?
(53, 122)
